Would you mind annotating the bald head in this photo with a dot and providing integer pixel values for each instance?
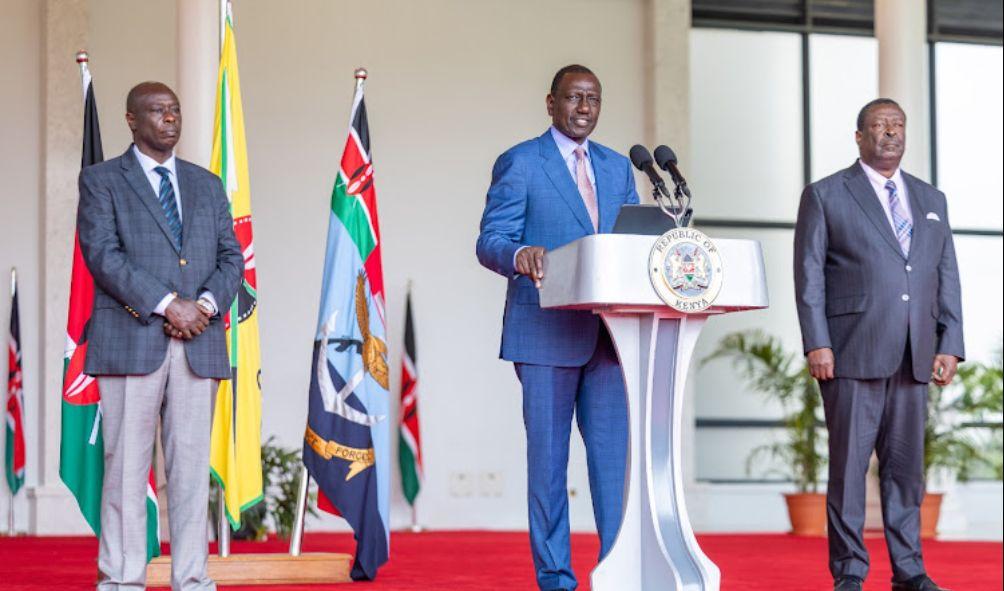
(154, 117)
(143, 89)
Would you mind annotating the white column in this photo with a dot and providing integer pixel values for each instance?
(52, 509)
(901, 30)
(198, 61)
(667, 121)
(667, 75)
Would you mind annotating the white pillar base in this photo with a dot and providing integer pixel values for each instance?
(53, 511)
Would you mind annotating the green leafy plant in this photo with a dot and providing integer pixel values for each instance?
(782, 375)
(974, 399)
(281, 476)
(281, 473)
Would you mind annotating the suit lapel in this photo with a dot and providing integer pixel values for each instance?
(134, 174)
(915, 195)
(861, 189)
(604, 192)
(187, 187)
(557, 171)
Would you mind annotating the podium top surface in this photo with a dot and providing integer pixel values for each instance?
(609, 272)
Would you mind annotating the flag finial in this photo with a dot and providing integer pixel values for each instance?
(82, 57)
(361, 74)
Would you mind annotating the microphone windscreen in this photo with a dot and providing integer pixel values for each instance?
(640, 156)
(664, 156)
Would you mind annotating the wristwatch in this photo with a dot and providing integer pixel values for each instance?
(207, 305)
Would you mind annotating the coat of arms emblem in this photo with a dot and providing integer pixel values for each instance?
(686, 269)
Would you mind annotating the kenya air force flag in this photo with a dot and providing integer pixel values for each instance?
(14, 453)
(346, 441)
(81, 446)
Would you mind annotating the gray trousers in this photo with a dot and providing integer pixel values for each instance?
(131, 406)
(887, 416)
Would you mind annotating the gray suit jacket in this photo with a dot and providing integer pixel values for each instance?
(127, 245)
(855, 291)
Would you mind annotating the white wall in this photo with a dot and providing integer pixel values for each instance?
(20, 184)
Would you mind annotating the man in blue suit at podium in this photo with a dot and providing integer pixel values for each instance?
(546, 192)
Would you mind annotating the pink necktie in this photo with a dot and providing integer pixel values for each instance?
(585, 187)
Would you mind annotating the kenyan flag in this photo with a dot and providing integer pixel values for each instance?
(81, 446)
(409, 448)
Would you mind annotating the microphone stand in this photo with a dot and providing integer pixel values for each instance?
(669, 202)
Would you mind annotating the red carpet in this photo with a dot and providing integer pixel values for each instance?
(493, 561)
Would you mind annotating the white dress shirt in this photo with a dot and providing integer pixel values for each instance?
(148, 165)
(878, 182)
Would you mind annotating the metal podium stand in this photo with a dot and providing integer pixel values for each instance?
(655, 549)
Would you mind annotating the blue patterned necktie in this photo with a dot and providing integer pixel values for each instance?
(169, 203)
(902, 225)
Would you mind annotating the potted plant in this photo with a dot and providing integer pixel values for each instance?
(950, 448)
(784, 376)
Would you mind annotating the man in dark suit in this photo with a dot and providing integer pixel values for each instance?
(547, 192)
(878, 297)
(157, 235)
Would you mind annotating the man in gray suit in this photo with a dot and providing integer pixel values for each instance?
(157, 236)
(878, 297)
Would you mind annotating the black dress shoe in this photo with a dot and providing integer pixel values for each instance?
(847, 584)
(919, 583)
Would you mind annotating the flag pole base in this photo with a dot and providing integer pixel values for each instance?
(263, 569)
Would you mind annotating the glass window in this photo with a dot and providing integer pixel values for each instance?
(746, 124)
(843, 77)
(968, 98)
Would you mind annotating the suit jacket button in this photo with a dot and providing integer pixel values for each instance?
(183, 262)
(909, 268)
(906, 297)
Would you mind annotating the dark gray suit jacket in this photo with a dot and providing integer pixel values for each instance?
(127, 245)
(855, 291)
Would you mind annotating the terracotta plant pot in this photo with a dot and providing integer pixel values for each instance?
(807, 512)
(930, 511)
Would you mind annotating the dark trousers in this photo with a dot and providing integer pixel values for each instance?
(887, 416)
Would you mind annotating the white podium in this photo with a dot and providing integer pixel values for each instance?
(655, 549)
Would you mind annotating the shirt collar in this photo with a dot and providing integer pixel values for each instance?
(148, 164)
(878, 179)
(567, 145)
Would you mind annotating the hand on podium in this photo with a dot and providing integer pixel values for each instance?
(530, 262)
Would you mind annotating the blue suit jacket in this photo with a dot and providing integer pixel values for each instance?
(533, 201)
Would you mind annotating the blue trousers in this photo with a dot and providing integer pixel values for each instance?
(595, 394)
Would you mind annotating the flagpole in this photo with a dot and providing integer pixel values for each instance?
(296, 540)
(415, 527)
(223, 539)
(10, 509)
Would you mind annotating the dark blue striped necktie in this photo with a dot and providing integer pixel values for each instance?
(169, 203)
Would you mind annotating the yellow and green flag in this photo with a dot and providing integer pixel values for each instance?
(235, 455)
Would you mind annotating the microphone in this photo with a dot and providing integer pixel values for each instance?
(642, 160)
(666, 159)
